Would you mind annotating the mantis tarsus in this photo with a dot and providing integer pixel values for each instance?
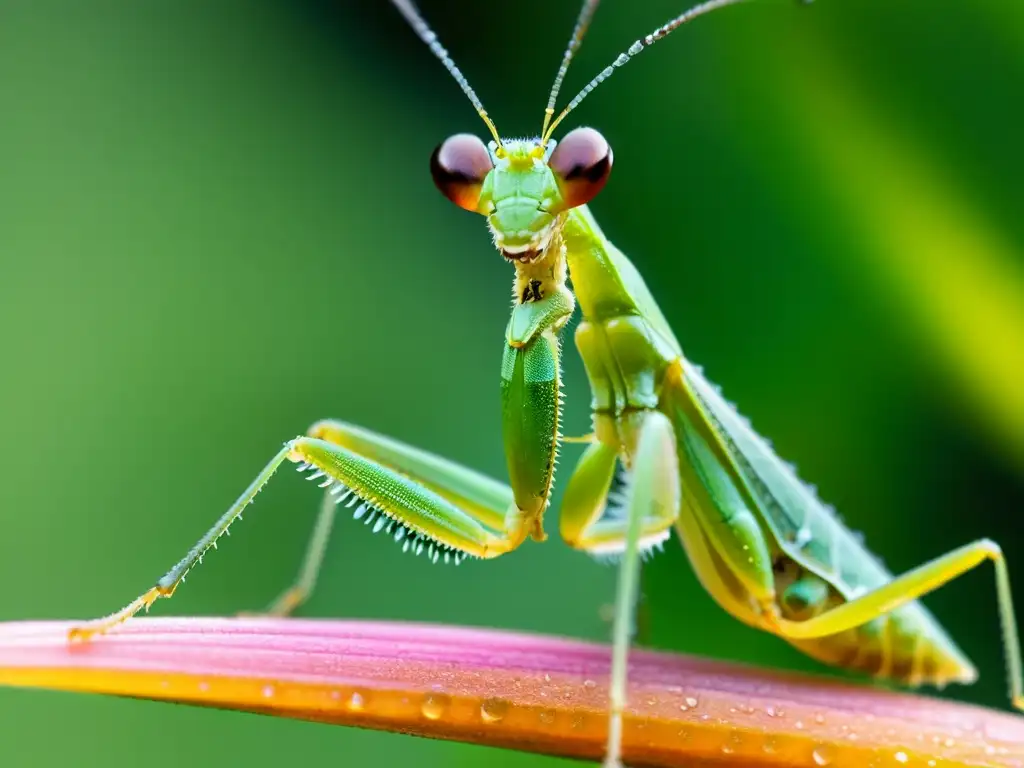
(760, 541)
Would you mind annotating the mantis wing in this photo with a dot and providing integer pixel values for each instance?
(805, 528)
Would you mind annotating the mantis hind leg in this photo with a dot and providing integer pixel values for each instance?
(652, 500)
(912, 585)
(305, 581)
(427, 503)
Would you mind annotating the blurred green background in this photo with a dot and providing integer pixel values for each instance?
(217, 225)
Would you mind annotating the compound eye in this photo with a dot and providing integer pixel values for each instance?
(582, 162)
(459, 166)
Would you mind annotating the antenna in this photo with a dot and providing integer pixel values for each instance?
(629, 53)
(426, 34)
(582, 23)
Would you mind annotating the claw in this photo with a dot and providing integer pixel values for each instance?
(91, 629)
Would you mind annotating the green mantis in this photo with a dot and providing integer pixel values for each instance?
(759, 540)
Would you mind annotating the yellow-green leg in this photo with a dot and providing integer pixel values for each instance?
(592, 520)
(428, 504)
(305, 582)
(912, 585)
(165, 586)
(652, 501)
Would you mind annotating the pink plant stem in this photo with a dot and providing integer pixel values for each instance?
(526, 692)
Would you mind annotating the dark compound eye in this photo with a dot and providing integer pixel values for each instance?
(459, 166)
(582, 162)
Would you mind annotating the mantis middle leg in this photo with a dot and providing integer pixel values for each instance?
(426, 503)
(652, 500)
(462, 485)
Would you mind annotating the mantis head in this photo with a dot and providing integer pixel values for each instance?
(522, 186)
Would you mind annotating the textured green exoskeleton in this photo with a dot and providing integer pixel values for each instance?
(529, 418)
(760, 541)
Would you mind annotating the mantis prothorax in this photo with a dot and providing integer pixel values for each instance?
(761, 542)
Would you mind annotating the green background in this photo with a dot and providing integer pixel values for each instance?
(217, 225)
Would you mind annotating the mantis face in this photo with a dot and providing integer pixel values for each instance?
(522, 186)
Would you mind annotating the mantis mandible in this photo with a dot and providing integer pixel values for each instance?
(761, 542)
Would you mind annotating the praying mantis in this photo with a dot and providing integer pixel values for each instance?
(760, 541)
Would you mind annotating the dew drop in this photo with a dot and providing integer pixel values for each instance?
(691, 702)
(356, 702)
(901, 757)
(732, 743)
(268, 691)
(822, 755)
(771, 745)
(546, 716)
(819, 718)
(493, 710)
(434, 706)
(590, 684)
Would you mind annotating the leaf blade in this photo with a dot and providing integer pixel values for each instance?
(525, 692)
